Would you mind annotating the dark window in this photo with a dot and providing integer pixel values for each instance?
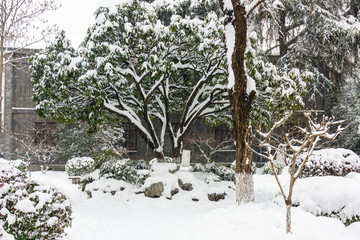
(223, 134)
(44, 133)
(130, 136)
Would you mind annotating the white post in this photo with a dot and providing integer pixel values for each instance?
(185, 159)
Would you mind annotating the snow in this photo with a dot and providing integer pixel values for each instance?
(25, 206)
(130, 216)
(230, 44)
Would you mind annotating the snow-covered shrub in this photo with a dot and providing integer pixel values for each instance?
(155, 160)
(330, 162)
(9, 174)
(123, 170)
(278, 165)
(79, 165)
(29, 210)
(4, 235)
(139, 164)
(20, 164)
(224, 173)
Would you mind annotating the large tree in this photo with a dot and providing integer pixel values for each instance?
(19, 18)
(135, 67)
(319, 35)
(242, 90)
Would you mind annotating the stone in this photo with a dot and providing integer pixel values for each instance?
(113, 193)
(155, 190)
(122, 189)
(216, 196)
(195, 199)
(185, 186)
(174, 191)
(88, 193)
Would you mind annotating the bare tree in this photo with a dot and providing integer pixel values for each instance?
(33, 144)
(299, 141)
(209, 146)
(19, 18)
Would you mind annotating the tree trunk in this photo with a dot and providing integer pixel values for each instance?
(240, 102)
(176, 155)
(282, 33)
(160, 156)
(288, 217)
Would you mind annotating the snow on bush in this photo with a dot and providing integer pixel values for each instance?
(9, 174)
(278, 165)
(126, 170)
(224, 173)
(155, 160)
(20, 164)
(4, 235)
(79, 166)
(29, 210)
(330, 162)
(331, 196)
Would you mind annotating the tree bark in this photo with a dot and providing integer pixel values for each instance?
(240, 102)
(282, 33)
(288, 217)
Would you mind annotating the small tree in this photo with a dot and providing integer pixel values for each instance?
(299, 140)
(17, 19)
(32, 145)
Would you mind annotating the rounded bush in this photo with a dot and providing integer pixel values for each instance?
(224, 173)
(20, 164)
(79, 166)
(278, 165)
(330, 162)
(32, 211)
(125, 170)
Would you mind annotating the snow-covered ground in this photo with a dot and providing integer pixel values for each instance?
(129, 216)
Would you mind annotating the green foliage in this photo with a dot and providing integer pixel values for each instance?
(278, 89)
(224, 173)
(74, 140)
(278, 165)
(21, 165)
(125, 170)
(79, 166)
(32, 211)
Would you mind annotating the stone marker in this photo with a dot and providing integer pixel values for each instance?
(185, 160)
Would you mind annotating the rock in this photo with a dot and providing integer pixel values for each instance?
(113, 193)
(216, 196)
(185, 186)
(155, 190)
(122, 189)
(174, 191)
(88, 193)
(195, 199)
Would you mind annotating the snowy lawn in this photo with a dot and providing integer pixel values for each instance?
(135, 217)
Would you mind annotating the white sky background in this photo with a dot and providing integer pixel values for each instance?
(75, 16)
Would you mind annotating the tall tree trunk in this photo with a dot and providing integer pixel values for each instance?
(282, 33)
(1, 87)
(240, 102)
